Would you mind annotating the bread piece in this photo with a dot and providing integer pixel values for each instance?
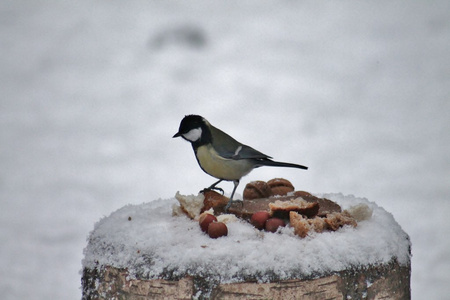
(214, 200)
(318, 224)
(360, 212)
(337, 220)
(303, 225)
(190, 205)
(281, 209)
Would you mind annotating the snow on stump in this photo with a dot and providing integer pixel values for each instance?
(155, 251)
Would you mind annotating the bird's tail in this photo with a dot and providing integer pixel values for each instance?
(271, 163)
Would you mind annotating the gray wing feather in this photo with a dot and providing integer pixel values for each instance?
(228, 147)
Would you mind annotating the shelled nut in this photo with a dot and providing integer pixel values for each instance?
(256, 190)
(280, 186)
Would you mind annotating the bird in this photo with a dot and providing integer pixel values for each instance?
(220, 155)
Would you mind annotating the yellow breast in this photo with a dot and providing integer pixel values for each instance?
(219, 167)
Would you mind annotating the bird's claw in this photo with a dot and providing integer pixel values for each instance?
(212, 189)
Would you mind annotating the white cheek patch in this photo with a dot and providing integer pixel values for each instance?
(193, 134)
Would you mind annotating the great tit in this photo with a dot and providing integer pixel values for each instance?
(220, 155)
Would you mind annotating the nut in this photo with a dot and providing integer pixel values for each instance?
(259, 219)
(205, 220)
(280, 186)
(217, 229)
(303, 194)
(273, 224)
(256, 190)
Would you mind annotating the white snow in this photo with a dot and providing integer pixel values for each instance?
(152, 243)
(92, 92)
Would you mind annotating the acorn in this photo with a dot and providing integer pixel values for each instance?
(217, 230)
(259, 219)
(205, 220)
(273, 224)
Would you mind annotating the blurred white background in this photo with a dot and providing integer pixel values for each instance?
(92, 92)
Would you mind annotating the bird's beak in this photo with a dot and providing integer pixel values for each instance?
(176, 135)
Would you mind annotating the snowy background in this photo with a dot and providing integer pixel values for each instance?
(92, 92)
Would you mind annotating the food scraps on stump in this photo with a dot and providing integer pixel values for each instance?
(259, 219)
(269, 206)
(273, 224)
(217, 230)
(206, 219)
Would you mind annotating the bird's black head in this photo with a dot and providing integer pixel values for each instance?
(194, 129)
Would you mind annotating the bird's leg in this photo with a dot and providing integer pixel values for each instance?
(213, 187)
(236, 183)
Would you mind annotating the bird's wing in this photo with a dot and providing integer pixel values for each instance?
(248, 152)
(228, 147)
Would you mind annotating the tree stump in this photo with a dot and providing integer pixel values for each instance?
(143, 252)
(390, 281)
